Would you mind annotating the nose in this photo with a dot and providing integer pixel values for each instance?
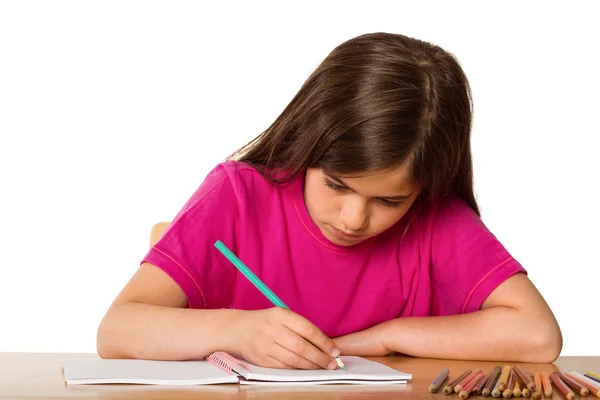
(354, 215)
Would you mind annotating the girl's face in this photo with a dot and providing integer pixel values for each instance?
(349, 210)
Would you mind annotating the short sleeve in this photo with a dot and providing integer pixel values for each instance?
(468, 262)
(186, 251)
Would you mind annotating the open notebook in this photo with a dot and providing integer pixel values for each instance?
(220, 367)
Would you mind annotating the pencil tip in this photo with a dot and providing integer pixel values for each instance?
(340, 363)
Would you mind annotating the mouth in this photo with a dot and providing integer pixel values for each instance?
(343, 235)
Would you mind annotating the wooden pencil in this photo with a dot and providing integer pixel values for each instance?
(479, 384)
(491, 382)
(504, 377)
(526, 381)
(496, 392)
(575, 387)
(593, 389)
(439, 380)
(468, 388)
(516, 392)
(510, 383)
(537, 380)
(525, 392)
(561, 387)
(458, 388)
(449, 388)
(592, 377)
(595, 375)
(546, 385)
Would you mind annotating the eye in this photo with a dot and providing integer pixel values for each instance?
(334, 186)
(391, 204)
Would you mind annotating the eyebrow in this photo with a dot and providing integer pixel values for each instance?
(397, 197)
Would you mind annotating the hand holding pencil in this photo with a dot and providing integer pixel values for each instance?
(278, 337)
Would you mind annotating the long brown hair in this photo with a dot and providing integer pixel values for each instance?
(377, 101)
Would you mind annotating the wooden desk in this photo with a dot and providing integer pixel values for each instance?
(39, 376)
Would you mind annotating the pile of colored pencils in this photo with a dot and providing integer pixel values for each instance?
(510, 381)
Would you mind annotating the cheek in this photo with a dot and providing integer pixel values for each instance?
(383, 219)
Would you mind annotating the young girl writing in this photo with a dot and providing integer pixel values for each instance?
(356, 208)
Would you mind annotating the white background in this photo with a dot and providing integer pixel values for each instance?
(112, 113)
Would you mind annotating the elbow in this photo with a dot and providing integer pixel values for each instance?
(546, 345)
(102, 343)
(106, 343)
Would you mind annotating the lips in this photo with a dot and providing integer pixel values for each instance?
(343, 235)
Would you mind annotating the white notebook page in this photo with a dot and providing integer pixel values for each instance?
(358, 370)
(149, 372)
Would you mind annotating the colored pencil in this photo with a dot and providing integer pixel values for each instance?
(510, 383)
(496, 392)
(546, 385)
(561, 387)
(592, 377)
(525, 392)
(516, 392)
(491, 382)
(576, 387)
(591, 387)
(479, 384)
(468, 388)
(437, 382)
(537, 392)
(504, 378)
(255, 280)
(526, 381)
(458, 388)
(449, 388)
(593, 374)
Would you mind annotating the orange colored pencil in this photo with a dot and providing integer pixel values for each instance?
(537, 380)
(562, 388)
(458, 388)
(468, 388)
(546, 385)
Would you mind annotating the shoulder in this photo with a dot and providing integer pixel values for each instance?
(452, 214)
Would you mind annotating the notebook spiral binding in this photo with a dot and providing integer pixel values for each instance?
(225, 361)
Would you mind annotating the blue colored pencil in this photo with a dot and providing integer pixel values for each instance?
(255, 280)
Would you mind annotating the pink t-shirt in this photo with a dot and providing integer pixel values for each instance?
(446, 262)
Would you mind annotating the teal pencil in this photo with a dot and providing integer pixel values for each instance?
(255, 280)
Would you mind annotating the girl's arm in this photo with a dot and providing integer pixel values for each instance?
(514, 324)
(148, 320)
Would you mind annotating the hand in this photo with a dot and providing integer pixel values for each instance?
(280, 338)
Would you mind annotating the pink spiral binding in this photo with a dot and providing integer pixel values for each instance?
(225, 361)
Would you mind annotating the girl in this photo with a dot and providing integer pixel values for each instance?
(356, 207)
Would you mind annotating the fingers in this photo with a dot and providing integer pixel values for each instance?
(302, 353)
(310, 332)
(290, 359)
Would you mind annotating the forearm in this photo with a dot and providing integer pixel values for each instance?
(498, 334)
(136, 330)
